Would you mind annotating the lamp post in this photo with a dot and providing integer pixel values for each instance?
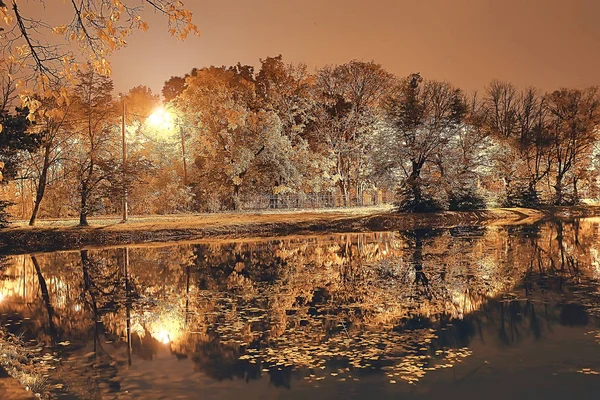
(124, 145)
(183, 153)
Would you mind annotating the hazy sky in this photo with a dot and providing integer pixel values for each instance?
(544, 43)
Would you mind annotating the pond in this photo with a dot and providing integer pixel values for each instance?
(497, 312)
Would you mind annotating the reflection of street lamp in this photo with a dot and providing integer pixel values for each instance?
(124, 161)
(164, 119)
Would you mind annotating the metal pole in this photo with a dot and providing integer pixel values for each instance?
(124, 163)
(183, 155)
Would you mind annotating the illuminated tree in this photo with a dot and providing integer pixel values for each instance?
(42, 55)
(573, 131)
(46, 166)
(287, 91)
(92, 163)
(240, 146)
(348, 98)
(518, 123)
(423, 116)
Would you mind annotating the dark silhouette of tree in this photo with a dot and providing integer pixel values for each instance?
(423, 116)
(14, 140)
(573, 131)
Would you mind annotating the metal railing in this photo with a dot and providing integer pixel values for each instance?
(314, 200)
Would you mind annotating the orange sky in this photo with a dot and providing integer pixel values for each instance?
(544, 43)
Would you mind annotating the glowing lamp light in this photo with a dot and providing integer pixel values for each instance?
(162, 119)
(162, 125)
(2, 297)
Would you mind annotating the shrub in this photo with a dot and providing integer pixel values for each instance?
(4, 213)
(522, 196)
(406, 201)
(465, 200)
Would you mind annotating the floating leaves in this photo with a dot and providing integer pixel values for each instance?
(588, 371)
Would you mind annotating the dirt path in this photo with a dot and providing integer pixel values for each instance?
(52, 235)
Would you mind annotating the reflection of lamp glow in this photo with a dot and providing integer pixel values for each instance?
(165, 324)
(2, 297)
(77, 308)
(168, 328)
(163, 336)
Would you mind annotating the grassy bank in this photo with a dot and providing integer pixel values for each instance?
(51, 235)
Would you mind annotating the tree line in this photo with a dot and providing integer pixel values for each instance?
(351, 129)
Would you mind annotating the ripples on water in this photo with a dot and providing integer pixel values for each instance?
(500, 312)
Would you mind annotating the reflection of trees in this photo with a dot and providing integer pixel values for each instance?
(46, 299)
(397, 303)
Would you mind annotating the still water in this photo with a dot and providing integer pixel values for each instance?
(465, 313)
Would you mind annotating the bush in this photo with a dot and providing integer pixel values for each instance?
(522, 196)
(3, 213)
(406, 201)
(465, 200)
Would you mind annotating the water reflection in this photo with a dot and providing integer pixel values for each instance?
(301, 312)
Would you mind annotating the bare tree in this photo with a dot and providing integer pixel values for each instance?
(573, 129)
(423, 116)
(94, 103)
(518, 122)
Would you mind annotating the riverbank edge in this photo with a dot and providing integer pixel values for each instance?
(11, 388)
(19, 240)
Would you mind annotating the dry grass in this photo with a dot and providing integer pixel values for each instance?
(187, 221)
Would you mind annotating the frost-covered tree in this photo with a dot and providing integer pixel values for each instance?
(518, 123)
(286, 90)
(349, 97)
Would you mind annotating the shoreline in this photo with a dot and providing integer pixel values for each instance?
(55, 235)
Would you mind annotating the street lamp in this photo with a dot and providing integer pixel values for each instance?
(183, 154)
(124, 146)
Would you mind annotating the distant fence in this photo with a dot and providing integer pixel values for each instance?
(314, 200)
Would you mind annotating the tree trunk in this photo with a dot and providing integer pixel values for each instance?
(235, 198)
(558, 188)
(41, 188)
(414, 182)
(83, 211)
(344, 192)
